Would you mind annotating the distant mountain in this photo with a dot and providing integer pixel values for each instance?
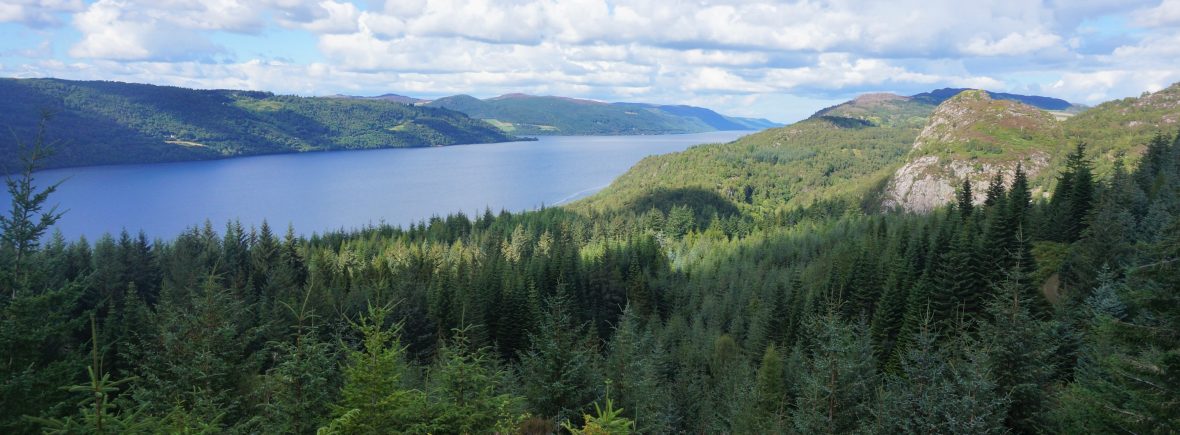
(548, 115)
(938, 96)
(395, 98)
(98, 122)
(878, 110)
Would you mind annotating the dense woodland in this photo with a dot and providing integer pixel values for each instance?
(545, 115)
(99, 123)
(684, 312)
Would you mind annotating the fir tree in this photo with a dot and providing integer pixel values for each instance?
(559, 372)
(28, 220)
(838, 383)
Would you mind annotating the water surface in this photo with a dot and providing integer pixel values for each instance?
(317, 192)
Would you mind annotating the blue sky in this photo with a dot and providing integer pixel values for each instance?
(778, 60)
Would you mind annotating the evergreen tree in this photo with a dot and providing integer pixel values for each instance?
(1020, 355)
(466, 390)
(559, 373)
(374, 399)
(995, 192)
(27, 220)
(635, 366)
(838, 382)
(770, 393)
(936, 392)
(965, 199)
(1127, 378)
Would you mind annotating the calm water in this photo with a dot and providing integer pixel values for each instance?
(327, 191)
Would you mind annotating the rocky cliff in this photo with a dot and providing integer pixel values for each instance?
(972, 136)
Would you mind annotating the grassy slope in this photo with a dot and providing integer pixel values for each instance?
(110, 122)
(770, 170)
(1126, 124)
(843, 152)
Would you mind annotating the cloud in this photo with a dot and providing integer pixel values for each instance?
(1100, 86)
(37, 13)
(111, 29)
(743, 55)
(1167, 13)
(1011, 44)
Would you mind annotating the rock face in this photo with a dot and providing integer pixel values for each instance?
(972, 136)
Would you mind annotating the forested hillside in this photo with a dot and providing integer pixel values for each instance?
(885, 150)
(681, 307)
(545, 115)
(111, 122)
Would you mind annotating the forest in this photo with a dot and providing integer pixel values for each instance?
(680, 313)
(102, 123)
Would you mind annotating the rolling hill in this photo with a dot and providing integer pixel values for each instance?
(548, 115)
(96, 123)
(892, 151)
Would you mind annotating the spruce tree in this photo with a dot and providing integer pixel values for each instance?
(770, 393)
(965, 199)
(937, 391)
(838, 383)
(28, 219)
(559, 372)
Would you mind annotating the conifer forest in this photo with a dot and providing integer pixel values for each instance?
(1023, 313)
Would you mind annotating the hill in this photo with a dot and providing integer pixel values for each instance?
(111, 122)
(1125, 125)
(880, 110)
(972, 135)
(938, 96)
(781, 168)
(548, 115)
(886, 150)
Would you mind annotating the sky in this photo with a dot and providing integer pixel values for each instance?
(776, 60)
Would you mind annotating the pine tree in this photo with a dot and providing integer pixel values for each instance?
(770, 392)
(1020, 355)
(374, 398)
(559, 372)
(635, 366)
(1127, 377)
(965, 199)
(28, 220)
(466, 388)
(97, 412)
(936, 392)
(838, 382)
(995, 192)
(302, 379)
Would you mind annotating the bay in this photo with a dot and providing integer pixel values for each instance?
(318, 192)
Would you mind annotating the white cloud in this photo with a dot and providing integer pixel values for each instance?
(729, 51)
(1099, 86)
(37, 13)
(1167, 13)
(1011, 44)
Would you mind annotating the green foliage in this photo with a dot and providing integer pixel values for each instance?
(838, 385)
(536, 115)
(112, 122)
(559, 374)
(704, 314)
(465, 387)
(21, 230)
(605, 421)
(774, 170)
(937, 392)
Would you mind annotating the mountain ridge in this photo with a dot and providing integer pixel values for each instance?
(555, 115)
(105, 122)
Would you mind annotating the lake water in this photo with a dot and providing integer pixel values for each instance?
(317, 192)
